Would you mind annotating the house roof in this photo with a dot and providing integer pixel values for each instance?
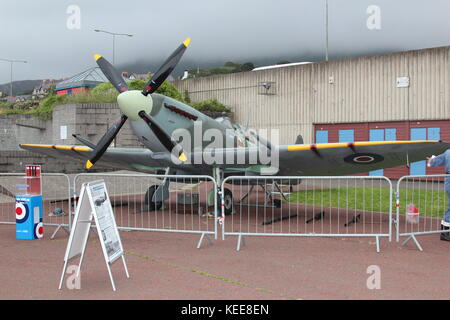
(88, 78)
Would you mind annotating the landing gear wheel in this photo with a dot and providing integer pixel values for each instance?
(277, 203)
(152, 206)
(228, 201)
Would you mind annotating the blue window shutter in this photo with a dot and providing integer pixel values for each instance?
(419, 167)
(347, 135)
(391, 134)
(434, 133)
(322, 136)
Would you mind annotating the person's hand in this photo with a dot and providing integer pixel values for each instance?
(429, 159)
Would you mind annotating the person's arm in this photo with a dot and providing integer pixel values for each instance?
(436, 161)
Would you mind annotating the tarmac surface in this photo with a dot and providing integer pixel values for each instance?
(169, 266)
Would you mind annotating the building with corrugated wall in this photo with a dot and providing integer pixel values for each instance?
(396, 96)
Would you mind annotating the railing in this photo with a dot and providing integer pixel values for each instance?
(421, 201)
(186, 203)
(350, 206)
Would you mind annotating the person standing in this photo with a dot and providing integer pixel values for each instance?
(437, 161)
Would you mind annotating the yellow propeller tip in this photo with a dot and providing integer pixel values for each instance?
(97, 56)
(187, 42)
(182, 157)
(89, 164)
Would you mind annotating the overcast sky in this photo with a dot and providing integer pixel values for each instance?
(236, 30)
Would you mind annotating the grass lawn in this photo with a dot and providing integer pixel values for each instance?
(431, 203)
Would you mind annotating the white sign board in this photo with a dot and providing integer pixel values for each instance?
(94, 204)
(63, 132)
(402, 82)
(105, 221)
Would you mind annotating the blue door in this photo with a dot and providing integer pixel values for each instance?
(376, 135)
(419, 167)
(347, 135)
(322, 136)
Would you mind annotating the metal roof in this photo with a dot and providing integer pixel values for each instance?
(88, 78)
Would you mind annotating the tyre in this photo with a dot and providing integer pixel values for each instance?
(152, 206)
(228, 201)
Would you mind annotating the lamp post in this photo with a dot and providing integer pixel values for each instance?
(326, 30)
(114, 39)
(11, 61)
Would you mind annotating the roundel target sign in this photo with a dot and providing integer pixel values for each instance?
(39, 230)
(364, 158)
(22, 212)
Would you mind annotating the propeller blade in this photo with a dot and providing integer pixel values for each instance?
(106, 140)
(166, 140)
(166, 69)
(111, 73)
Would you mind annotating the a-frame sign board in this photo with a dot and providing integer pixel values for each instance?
(94, 204)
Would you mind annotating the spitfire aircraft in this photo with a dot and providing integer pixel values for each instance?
(155, 119)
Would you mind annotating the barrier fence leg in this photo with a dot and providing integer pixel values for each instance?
(199, 244)
(57, 229)
(241, 240)
(415, 241)
(377, 239)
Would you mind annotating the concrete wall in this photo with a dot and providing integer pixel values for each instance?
(15, 129)
(15, 161)
(89, 120)
(361, 89)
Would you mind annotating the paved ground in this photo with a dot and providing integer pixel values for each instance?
(168, 266)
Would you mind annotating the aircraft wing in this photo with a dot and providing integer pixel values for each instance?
(303, 159)
(355, 157)
(135, 159)
(144, 160)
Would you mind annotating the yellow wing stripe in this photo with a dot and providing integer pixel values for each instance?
(300, 147)
(49, 146)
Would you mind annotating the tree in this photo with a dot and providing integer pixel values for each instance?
(248, 66)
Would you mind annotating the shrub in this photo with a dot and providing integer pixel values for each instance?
(210, 105)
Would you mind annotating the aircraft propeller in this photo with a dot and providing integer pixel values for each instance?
(137, 105)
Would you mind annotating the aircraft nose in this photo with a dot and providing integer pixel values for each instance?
(132, 102)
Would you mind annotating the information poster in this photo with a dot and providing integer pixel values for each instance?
(106, 222)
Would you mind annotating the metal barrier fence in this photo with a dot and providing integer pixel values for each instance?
(337, 206)
(190, 204)
(57, 206)
(420, 205)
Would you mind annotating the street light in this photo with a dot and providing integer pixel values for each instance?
(114, 38)
(12, 61)
(326, 30)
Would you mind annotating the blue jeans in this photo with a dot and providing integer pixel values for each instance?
(447, 190)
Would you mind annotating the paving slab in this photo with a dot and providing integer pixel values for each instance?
(169, 266)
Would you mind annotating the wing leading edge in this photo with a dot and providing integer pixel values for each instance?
(135, 159)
